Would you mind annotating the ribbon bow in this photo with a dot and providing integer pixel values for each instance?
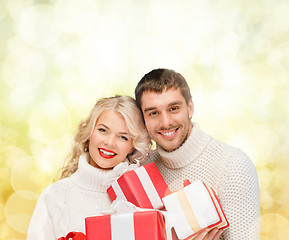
(120, 169)
(74, 236)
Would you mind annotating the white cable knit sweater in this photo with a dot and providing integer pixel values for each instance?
(226, 169)
(63, 206)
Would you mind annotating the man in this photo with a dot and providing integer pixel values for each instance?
(184, 151)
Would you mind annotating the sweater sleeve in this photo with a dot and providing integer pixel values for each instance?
(41, 225)
(240, 198)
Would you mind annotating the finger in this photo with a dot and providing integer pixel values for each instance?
(211, 234)
(216, 237)
(200, 236)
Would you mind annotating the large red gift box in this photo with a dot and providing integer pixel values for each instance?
(144, 225)
(144, 187)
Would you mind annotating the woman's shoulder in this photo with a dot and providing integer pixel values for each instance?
(56, 189)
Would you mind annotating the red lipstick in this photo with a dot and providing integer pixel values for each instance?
(106, 153)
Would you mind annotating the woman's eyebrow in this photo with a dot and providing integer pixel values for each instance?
(124, 133)
(103, 125)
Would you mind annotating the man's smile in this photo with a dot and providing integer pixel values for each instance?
(168, 134)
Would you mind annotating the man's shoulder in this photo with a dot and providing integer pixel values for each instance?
(228, 148)
(235, 155)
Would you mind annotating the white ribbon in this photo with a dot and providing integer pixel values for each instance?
(146, 182)
(122, 226)
(122, 214)
(201, 204)
(118, 191)
(149, 188)
(120, 169)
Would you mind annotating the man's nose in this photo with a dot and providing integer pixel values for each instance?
(165, 120)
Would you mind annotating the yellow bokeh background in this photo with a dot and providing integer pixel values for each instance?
(58, 56)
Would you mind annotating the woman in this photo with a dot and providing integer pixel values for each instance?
(111, 140)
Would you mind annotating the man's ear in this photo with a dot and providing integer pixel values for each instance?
(191, 108)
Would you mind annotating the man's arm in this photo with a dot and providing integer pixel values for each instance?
(239, 196)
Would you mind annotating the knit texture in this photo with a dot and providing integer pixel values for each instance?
(63, 206)
(226, 169)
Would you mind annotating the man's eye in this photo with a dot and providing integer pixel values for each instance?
(174, 109)
(153, 113)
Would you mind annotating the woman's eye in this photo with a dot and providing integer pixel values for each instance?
(102, 130)
(124, 138)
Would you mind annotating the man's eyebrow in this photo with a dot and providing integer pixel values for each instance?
(176, 103)
(170, 104)
(149, 109)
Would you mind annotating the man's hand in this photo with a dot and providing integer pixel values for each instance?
(213, 234)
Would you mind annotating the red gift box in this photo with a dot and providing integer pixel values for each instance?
(196, 208)
(144, 187)
(145, 225)
(224, 224)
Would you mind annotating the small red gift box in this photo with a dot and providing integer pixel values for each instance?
(129, 226)
(195, 208)
(144, 187)
(224, 221)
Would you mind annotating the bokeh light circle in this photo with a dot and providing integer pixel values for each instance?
(5, 231)
(10, 156)
(15, 7)
(19, 208)
(24, 69)
(1, 213)
(274, 226)
(49, 159)
(103, 51)
(21, 175)
(3, 11)
(49, 122)
(22, 99)
(75, 16)
(37, 26)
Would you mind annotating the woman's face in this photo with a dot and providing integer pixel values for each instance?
(110, 141)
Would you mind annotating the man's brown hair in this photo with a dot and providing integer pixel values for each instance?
(159, 80)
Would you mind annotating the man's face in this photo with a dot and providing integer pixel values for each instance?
(167, 117)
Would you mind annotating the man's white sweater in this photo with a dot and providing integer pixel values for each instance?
(63, 206)
(226, 169)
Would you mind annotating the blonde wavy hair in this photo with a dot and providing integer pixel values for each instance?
(127, 107)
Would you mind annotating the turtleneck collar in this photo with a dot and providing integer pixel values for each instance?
(186, 153)
(92, 178)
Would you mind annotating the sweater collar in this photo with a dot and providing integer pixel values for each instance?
(92, 178)
(188, 152)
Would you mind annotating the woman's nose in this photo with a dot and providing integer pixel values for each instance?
(109, 140)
